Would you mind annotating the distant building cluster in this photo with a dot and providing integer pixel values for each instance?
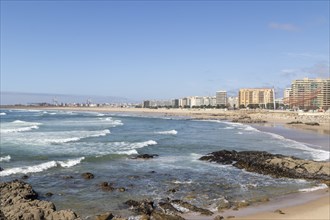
(304, 94)
(220, 100)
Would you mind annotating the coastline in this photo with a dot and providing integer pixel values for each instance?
(312, 205)
(304, 205)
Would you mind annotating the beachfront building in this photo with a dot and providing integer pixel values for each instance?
(157, 103)
(232, 102)
(195, 102)
(310, 94)
(256, 98)
(286, 96)
(221, 98)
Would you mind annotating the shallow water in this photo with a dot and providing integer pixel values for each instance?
(52, 145)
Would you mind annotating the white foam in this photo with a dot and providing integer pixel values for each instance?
(3, 113)
(321, 186)
(172, 132)
(29, 169)
(317, 154)
(18, 126)
(239, 132)
(128, 152)
(182, 182)
(71, 163)
(113, 122)
(143, 144)
(40, 167)
(180, 208)
(82, 134)
(5, 159)
(13, 130)
(43, 138)
(228, 128)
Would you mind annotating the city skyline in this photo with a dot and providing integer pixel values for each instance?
(160, 50)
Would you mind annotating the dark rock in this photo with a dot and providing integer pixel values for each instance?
(145, 156)
(105, 186)
(168, 208)
(24, 177)
(248, 119)
(276, 165)
(192, 207)
(294, 122)
(279, 211)
(224, 204)
(162, 216)
(172, 190)
(312, 123)
(104, 216)
(1, 169)
(219, 217)
(141, 207)
(67, 177)
(49, 194)
(152, 171)
(19, 201)
(87, 175)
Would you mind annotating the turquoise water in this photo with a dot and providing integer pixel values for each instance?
(48, 146)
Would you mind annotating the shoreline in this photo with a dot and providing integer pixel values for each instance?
(314, 203)
(271, 117)
(301, 205)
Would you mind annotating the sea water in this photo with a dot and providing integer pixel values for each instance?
(55, 147)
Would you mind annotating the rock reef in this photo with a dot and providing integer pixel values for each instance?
(19, 201)
(276, 165)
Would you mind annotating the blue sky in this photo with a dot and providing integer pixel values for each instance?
(160, 49)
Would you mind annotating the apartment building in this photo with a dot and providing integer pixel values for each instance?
(310, 94)
(256, 97)
(221, 98)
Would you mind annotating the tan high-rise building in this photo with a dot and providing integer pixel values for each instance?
(256, 97)
(310, 94)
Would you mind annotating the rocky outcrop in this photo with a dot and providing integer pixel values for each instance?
(19, 201)
(166, 209)
(276, 165)
(247, 119)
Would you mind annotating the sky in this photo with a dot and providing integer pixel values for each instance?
(161, 49)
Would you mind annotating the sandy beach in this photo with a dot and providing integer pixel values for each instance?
(271, 117)
(307, 205)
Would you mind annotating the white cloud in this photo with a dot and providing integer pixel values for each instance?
(283, 26)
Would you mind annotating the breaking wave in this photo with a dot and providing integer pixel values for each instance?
(40, 167)
(5, 159)
(19, 126)
(172, 132)
(3, 113)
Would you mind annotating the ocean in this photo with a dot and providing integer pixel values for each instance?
(53, 148)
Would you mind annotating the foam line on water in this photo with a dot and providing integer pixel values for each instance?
(41, 167)
(171, 132)
(318, 187)
(5, 158)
